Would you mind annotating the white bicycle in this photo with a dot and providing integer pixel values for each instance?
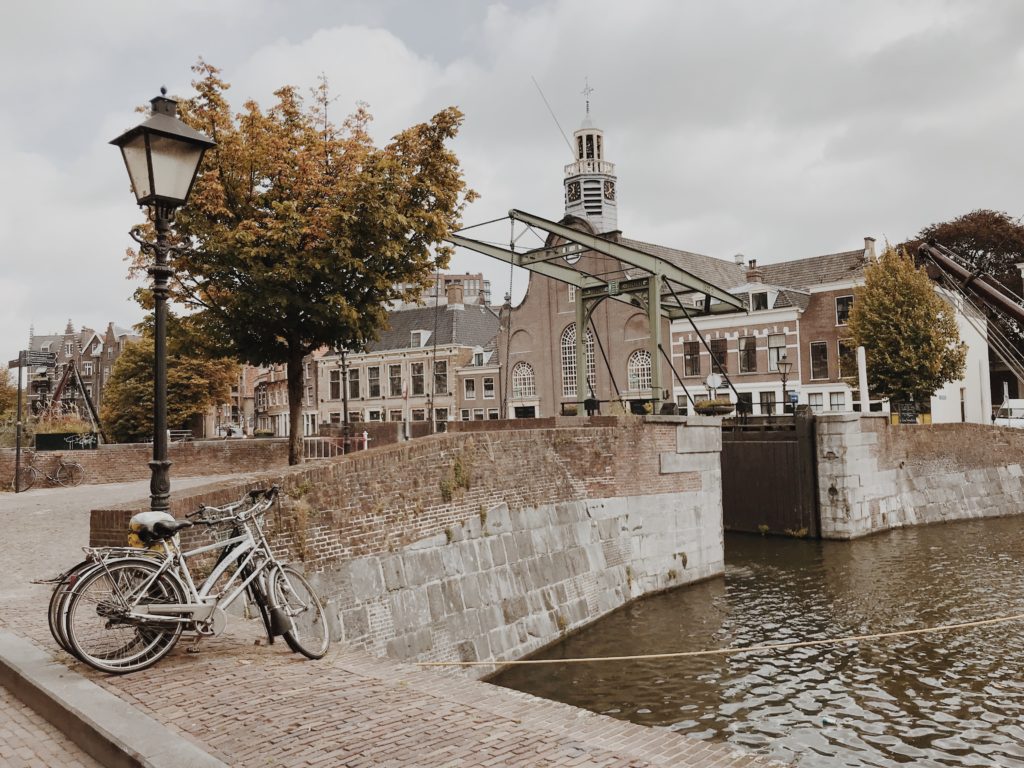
(123, 609)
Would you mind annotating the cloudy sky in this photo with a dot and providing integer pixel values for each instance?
(774, 128)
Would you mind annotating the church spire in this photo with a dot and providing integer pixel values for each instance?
(590, 179)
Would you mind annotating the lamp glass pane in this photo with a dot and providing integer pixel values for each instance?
(134, 153)
(174, 166)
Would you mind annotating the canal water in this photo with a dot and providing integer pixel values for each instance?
(947, 699)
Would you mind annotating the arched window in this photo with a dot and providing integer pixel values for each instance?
(638, 370)
(524, 384)
(569, 361)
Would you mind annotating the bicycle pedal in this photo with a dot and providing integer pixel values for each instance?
(192, 649)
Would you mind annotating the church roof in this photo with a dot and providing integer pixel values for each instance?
(799, 274)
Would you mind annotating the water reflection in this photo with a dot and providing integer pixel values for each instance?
(955, 698)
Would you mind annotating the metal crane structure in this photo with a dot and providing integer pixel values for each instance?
(974, 286)
(56, 406)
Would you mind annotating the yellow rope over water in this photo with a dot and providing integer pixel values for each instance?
(730, 651)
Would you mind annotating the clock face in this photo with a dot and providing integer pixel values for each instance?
(609, 190)
(572, 191)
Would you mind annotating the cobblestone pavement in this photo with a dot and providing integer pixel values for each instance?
(256, 705)
(28, 740)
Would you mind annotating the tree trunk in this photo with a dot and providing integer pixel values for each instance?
(295, 396)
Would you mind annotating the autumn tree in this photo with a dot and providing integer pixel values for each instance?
(909, 333)
(987, 240)
(300, 231)
(193, 385)
(8, 393)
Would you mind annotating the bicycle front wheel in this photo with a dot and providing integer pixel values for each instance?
(69, 475)
(309, 634)
(26, 478)
(98, 623)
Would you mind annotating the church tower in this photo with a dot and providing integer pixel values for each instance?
(590, 180)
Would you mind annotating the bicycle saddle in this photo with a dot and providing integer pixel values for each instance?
(152, 527)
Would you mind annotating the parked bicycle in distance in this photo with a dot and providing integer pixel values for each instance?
(123, 608)
(66, 473)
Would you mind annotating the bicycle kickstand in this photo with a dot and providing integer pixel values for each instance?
(193, 647)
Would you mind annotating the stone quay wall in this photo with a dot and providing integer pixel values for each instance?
(873, 475)
(121, 462)
(489, 545)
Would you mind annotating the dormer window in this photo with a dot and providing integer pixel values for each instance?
(478, 358)
(418, 338)
(759, 301)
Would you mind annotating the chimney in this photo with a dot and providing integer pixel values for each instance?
(869, 250)
(455, 294)
(754, 274)
(738, 259)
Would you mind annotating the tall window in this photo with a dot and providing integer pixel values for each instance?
(847, 359)
(523, 382)
(395, 380)
(748, 354)
(843, 305)
(768, 403)
(488, 388)
(373, 378)
(691, 358)
(416, 374)
(335, 385)
(720, 355)
(638, 370)
(572, 293)
(440, 377)
(776, 349)
(819, 360)
(569, 360)
(353, 383)
(470, 389)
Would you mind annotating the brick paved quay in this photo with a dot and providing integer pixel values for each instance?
(257, 705)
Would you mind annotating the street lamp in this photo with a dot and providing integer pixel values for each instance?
(784, 368)
(162, 156)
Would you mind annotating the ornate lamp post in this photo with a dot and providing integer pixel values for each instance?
(784, 368)
(162, 156)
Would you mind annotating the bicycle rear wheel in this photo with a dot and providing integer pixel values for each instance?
(99, 628)
(58, 602)
(69, 475)
(309, 634)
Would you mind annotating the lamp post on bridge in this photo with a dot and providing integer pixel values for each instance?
(784, 368)
(162, 156)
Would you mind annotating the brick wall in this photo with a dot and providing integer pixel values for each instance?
(490, 544)
(873, 475)
(130, 461)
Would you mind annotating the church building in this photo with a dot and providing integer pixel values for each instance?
(790, 345)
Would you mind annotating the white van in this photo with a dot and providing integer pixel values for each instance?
(1010, 414)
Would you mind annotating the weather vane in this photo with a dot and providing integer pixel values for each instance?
(587, 90)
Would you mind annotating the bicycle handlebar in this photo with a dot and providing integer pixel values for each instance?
(253, 497)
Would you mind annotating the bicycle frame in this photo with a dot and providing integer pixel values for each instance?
(244, 551)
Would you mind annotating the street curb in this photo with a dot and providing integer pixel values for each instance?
(109, 729)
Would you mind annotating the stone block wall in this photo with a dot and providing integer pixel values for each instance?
(873, 475)
(130, 461)
(489, 545)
